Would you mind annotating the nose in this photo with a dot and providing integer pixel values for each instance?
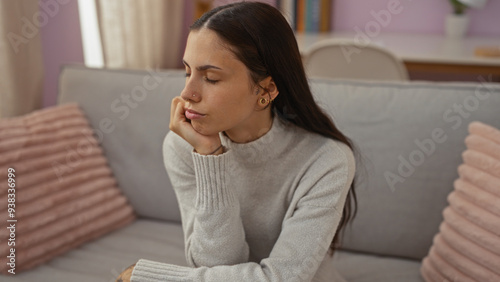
(190, 93)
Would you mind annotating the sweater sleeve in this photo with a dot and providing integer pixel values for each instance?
(303, 242)
(210, 211)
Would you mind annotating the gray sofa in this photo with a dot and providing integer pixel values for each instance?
(410, 136)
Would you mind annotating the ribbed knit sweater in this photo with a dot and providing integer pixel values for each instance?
(266, 210)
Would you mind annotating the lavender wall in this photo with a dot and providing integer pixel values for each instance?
(61, 43)
(422, 16)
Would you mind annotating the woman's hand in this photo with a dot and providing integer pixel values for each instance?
(179, 124)
(126, 274)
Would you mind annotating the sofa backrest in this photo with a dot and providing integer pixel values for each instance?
(129, 111)
(410, 137)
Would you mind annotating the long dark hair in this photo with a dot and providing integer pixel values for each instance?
(262, 39)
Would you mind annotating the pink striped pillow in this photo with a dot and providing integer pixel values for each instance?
(65, 193)
(467, 248)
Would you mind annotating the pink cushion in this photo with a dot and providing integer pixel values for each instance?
(467, 247)
(65, 192)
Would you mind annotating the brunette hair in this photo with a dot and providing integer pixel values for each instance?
(261, 38)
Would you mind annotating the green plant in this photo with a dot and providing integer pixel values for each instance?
(458, 7)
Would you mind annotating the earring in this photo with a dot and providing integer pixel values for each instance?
(263, 101)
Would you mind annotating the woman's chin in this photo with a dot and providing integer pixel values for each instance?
(203, 129)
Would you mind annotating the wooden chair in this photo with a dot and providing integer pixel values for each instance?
(347, 59)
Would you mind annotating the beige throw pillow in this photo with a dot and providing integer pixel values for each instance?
(467, 248)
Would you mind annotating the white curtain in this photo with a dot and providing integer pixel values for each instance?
(21, 64)
(141, 33)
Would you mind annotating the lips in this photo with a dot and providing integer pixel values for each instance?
(190, 114)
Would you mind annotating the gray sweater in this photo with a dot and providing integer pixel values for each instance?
(261, 211)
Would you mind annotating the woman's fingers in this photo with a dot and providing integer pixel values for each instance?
(180, 125)
(178, 122)
(176, 113)
(126, 274)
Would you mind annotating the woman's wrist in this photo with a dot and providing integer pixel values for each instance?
(217, 151)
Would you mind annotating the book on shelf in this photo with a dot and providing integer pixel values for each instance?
(307, 15)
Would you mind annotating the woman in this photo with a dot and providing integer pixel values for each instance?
(260, 172)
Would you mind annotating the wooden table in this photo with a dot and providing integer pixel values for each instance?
(425, 52)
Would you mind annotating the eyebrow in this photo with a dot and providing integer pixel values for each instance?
(204, 67)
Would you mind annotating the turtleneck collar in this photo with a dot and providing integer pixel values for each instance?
(266, 147)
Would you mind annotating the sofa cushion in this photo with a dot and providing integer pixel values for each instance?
(129, 112)
(410, 139)
(65, 194)
(468, 245)
(359, 267)
(105, 258)
(160, 241)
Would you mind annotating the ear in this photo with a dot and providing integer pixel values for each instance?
(271, 90)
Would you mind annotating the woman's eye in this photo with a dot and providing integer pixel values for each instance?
(188, 74)
(211, 81)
